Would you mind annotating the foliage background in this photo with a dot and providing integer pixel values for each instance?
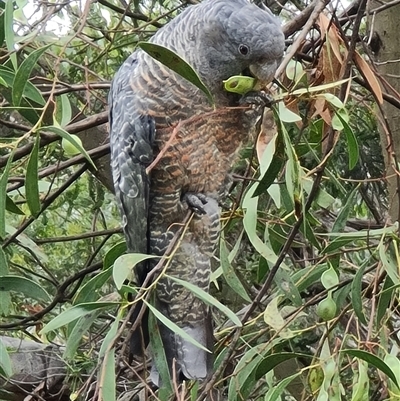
(310, 266)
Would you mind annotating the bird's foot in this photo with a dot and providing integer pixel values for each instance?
(257, 98)
(196, 202)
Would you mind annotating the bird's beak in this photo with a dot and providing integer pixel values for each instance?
(264, 72)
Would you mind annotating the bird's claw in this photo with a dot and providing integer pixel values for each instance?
(257, 98)
(196, 202)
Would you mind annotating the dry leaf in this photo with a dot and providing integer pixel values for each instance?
(319, 106)
(333, 39)
(268, 130)
(369, 76)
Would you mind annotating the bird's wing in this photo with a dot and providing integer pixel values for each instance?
(132, 135)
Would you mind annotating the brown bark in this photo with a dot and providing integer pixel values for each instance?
(384, 41)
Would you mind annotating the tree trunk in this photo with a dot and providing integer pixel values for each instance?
(385, 44)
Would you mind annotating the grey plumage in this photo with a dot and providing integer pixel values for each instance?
(219, 38)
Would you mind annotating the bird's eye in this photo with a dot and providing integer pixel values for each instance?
(243, 49)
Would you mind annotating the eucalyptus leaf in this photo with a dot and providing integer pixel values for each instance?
(229, 272)
(24, 286)
(356, 294)
(177, 64)
(32, 180)
(64, 134)
(5, 361)
(208, 299)
(3, 196)
(76, 312)
(173, 327)
(124, 265)
(23, 73)
(373, 360)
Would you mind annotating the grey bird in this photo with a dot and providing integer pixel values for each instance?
(219, 39)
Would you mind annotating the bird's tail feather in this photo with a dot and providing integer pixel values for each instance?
(191, 362)
(140, 336)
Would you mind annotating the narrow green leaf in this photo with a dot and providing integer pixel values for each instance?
(244, 377)
(229, 273)
(374, 361)
(3, 263)
(110, 337)
(27, 110)
(194, 391)
(30, 91)
(352, 144)
(323, 199)
(286, 199)
(113, 254)
(64, 134)
(12, 207)
(23, 73)
(26, 242)
(385, 298)
(177, 64)
(270, 175)
(250, 207)
(356, 296)
(360, 390)
(262, 269)
(271, 165)
(293, 176)
(9, 32)
(208, 299)
(308, 230)
(285, 283)
(341, 297)
(389, 262)
(278, 234)
(63, 111)
(364, 234)
(158, 353)
(337, 243)
(75, 313)
(77, 332)
(24, 286)
(173, 327)
(220, 358)
(2, 28)
(3, 196)
(89, 292)
(275, 392)
(108, 363)
(5, 361)
(271, 361)
(108, 386)
(341, 219)
(236, 247)
(308, 276)
(32, 180)
(124, 265)
(394, 364)
(343, 114)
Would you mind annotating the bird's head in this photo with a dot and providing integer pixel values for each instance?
(235, 36)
